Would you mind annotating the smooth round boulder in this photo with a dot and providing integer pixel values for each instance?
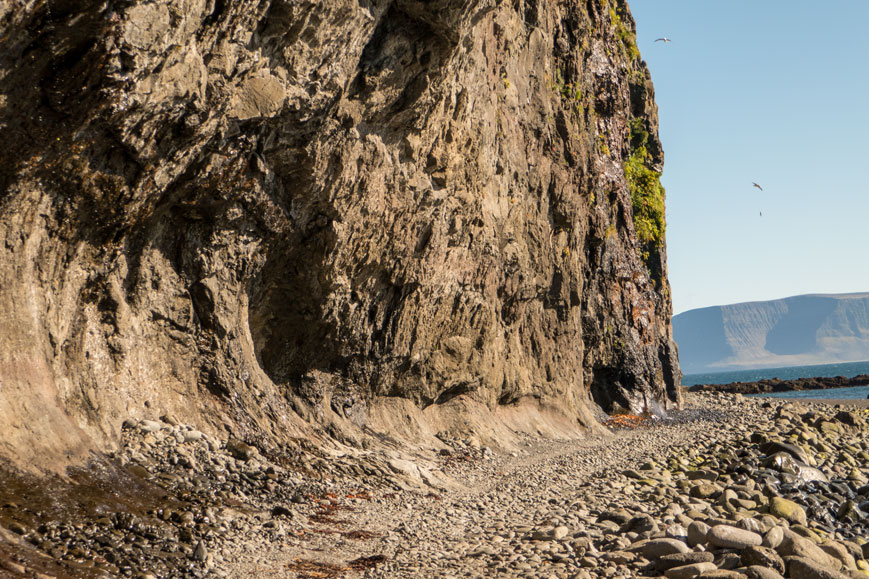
(794, 545)
(753, 525)
(657, 548)
(787, 510)
(802, 568)
(697, 531)
(681, 559)
(773, 537)
(728, 537)
(704, 491)
(689, 571)
(757, 572)
(840, 552)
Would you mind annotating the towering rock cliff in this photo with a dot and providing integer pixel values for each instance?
(794, 331)
(283, 218)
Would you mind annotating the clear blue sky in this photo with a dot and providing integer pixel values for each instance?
(770, 91)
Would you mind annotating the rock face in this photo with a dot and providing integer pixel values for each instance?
(795, 331)
(270, 217)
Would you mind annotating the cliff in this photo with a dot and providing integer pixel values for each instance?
(278, 220)
(795, 331)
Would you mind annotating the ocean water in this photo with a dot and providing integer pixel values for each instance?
(860, 392)
(849, 370)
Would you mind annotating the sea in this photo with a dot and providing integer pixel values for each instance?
(849, 370)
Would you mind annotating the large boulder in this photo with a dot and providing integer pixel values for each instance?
(729, 537)
(788, 510)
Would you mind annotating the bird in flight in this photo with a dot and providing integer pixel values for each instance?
(663, 39)
(758, 186)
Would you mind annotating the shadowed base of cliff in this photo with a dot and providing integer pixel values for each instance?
(173, 501)
(468, 419)
(179, 491)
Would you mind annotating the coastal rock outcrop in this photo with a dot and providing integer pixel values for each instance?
(778, 385)
(280, 220)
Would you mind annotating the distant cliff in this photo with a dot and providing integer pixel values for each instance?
(795, 331)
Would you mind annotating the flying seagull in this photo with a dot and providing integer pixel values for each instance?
(663, 39)
(758, 186)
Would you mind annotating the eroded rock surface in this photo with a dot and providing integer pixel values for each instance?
(282, 218)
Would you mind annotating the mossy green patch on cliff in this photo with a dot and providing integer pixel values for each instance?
(604, 148)
(625, 34)
(570, 94)
(568, 91)
(639, 134)
(647, 197)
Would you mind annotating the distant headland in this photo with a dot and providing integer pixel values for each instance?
(793, 331)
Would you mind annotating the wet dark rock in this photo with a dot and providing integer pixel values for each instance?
(849, 512)
(771, 448)
(728, 561)
(282, 511)
(200, 553)
(848, 418)
(763, 557)
(17, 528)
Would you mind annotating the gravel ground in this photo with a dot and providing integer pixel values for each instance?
(728, 487)
(544, 512)
(478, 530)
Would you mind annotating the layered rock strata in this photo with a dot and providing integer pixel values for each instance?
(282, 219)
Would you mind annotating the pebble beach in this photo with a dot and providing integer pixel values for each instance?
(728, 487)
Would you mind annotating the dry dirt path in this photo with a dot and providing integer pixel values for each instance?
(488, 527)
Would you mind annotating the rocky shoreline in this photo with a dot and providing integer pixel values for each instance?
(729, 487)
(779, 385)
